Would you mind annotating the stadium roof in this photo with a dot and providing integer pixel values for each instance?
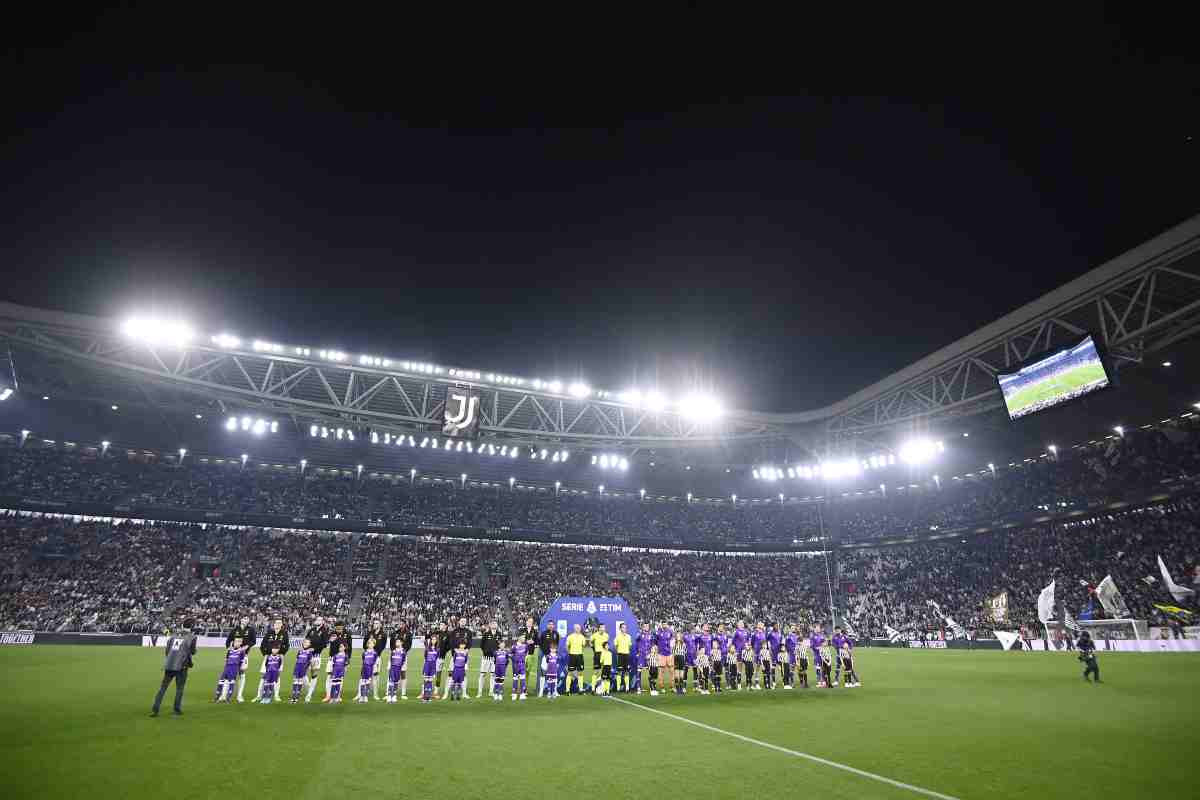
(1139, 303)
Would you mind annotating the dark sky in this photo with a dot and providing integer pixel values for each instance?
(783, 251)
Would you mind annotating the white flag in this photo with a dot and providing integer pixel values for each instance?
(893, 634)
(1110, 597)
(1046, 604)
(1006, 638)
(1180, 593)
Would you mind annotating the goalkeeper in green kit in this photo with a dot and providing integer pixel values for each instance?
(1087, 654)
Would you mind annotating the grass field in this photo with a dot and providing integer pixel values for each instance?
(1044, 390)
(962, 724)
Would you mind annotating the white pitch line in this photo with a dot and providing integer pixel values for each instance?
(817, 759)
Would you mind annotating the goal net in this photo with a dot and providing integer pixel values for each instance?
(1102, 631)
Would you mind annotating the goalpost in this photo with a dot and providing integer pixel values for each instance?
(1102, 631)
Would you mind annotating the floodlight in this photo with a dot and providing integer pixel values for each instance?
(755, 474)
(260, 427)
(5, 393)
(735, 499)
(1053, 449)
(182, 453)
(602, 488)
(511, 481)
(459, 448)
(226, 340)
(246, 422)
(374, 437)
(554, 386)
(513, 453)
(578, 389)
(199, 416)
(543, 455)
(360, 470)
(244, 457)
(1120, 430)
(917, 451)
(656, 401)
(114, 406)
(566, 454)
(104, 446)
(781, 497)
(631, 397)
(642, 492)
(700, 407)
(449, 444)
(303, 464)
(232, 423)
(624, 463)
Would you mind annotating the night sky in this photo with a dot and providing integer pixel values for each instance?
(784, 252)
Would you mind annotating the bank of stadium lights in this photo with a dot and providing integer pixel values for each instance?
(324, 432)
(155, 331)
(247, 424)
(920, 451)
(607, 461)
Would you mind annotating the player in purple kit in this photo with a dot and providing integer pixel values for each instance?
(397, 673)
(337, 673)
(663, 637)
(520, 652)
(229, 675)
(740, 637)
(790, 642)
(429, 671)
(370, 657)
(458, 671)
(815, 641)
(775, 642)
(501, 665)
(274, 665)
(721, 637)
(645, 639)
(551, 673)
(300, 674)
(706, 640)
(691, 641)
(837, 640)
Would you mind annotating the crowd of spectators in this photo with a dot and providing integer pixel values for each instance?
(1072, 478)
(61, 574)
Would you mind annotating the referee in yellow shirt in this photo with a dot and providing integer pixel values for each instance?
(597, 640)
(623, 646)
(575, 644)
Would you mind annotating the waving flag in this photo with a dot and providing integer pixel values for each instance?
(1180, 593)
(1045, 604)
(1110, 597)
(893, 634)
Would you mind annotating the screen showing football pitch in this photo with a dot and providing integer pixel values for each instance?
(1063, 375)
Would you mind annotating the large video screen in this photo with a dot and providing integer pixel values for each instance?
(1063, 375)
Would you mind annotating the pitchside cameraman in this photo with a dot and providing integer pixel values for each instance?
(180, 649)
(1087, 654)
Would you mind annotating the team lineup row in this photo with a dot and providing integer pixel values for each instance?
(745, 659)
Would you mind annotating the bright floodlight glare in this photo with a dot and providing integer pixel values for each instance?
(5, 393)
(512, 453)
(231, 425)
(103, 444)
(554, 386)
(1120, 430)
(1053, 448)
(578, 389)
(755, 473)
(182, 452)
(511, 481)
(303, 463)
(656, 401)
(700, 407)
(172, 333)
(642, 492)
(226, 340)
(918, 451)
(244, 457)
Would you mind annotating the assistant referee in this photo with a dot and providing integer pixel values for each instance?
(623, 646)
(575, 645)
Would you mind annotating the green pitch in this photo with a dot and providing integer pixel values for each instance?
(963, 724)
(1047, 389)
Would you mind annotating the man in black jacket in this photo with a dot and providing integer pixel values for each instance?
(274, 636)
(401, 637)
(380, 636)
(443, 650)
(530, 634)
(548, 642)
(245, 632)
(318, 637)
(459, 634)
(338, 637)
(489, 643)
(180, 648)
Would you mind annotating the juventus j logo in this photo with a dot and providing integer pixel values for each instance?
(464, 418)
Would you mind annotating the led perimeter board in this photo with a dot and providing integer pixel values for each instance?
(1053, 378)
